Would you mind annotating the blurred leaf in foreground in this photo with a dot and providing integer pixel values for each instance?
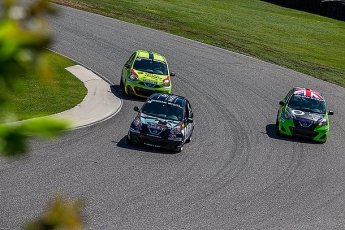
(24, 34)
(60, 214)
(13, 136)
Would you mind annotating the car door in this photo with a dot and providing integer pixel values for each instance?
(189, 120)
(127, 68)
(285, 100)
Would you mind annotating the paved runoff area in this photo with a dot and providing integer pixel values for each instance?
(99, 104)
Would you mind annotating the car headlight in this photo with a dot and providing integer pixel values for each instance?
(176, 130)
(324, 122)
(133, 77)
(137, 122)
(166, 81)
(288, 115)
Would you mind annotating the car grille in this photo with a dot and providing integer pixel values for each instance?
(145, 92)
(300, 130)
(147, 85)
(163, 143)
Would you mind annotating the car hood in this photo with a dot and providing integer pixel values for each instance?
(306, 115)
(157, 123)
(145, 76)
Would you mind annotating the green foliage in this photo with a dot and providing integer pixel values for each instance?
(24, 33)
(60, 214)
(13, 136)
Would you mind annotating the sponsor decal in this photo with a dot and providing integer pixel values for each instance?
(315, 117)
(155, 129)
(153, 136)
(149, 144)
(304, 122)
(149, 83)
(297, 112)
(174, 138)
(162, 124)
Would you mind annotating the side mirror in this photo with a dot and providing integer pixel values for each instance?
(136, 109)
(172, 74)
(330, 112)
(127, 65)
(189, 120)
(281, 103)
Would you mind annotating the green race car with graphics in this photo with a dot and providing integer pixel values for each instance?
(145, 73)
(303, 113)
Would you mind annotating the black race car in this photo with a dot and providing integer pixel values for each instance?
(164, 121)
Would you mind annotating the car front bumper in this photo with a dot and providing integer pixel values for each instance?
(318, 133)
(140, 90)
(154, 141)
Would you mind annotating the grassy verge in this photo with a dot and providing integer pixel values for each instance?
(305, 42)
(32, 97)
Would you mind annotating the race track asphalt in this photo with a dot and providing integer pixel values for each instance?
(235, 174)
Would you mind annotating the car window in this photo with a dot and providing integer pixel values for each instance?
(189, 111)
(151, 66)
(307, 104)
(287, 97)
(163, 110)
(130, 60)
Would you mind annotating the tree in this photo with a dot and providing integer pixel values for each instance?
(24, 34)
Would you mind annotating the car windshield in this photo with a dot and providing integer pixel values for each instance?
(151, 66)
(163, 110)
(307, 104)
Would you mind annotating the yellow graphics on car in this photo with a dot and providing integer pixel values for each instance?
(145, 73)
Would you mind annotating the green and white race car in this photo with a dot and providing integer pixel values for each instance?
(145, 73)
(303, 113)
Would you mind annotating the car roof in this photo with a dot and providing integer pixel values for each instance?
(306, 92)
(168, 98)
(150, 55)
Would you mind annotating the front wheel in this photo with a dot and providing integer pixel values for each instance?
(277, 128)
(124, 90)
(178, 149)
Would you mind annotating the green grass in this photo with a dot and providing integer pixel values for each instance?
(305, 42)
(32, 97)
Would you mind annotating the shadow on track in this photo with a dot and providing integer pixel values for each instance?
(128, 97)
(143, 148)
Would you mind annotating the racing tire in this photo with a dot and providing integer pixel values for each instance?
(121, 82)
(124, 93)
(179, 149)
